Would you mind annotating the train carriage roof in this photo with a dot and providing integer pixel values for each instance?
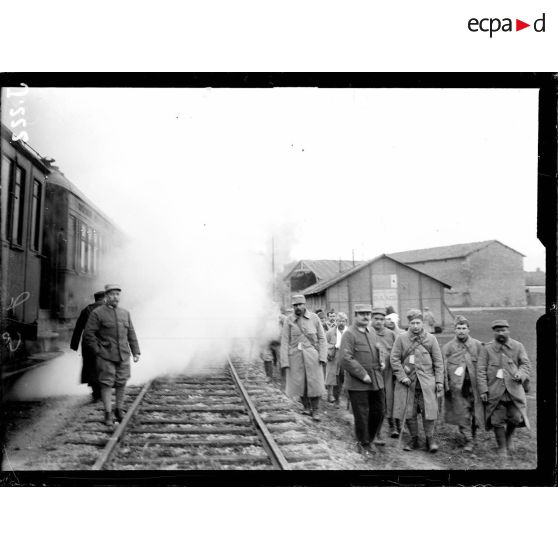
(57, 178)
(54, 175)
(25, 149)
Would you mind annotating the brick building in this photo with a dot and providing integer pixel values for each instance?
(382, 281)
(485, 273)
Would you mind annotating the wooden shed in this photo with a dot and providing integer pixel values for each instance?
(382, 282)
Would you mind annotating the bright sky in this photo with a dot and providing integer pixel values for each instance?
(324, 171)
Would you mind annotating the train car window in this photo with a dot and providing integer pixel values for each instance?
(72, 237)
(95, 251)
(6, 184)
(36, 216)
(89, 250)
(82, 245)
(7, 167)
(16, 206)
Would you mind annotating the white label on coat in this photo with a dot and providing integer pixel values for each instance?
(300, 346)
(412, 359)
(500, 374)
(458, 371)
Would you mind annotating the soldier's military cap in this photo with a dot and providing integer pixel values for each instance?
(500, 323)
(459, 320)
(381, 311)
(363, 308)
(112, 287)
(414, 314)
(298, 299)
(99, 294)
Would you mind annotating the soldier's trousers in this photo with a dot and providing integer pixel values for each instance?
(368, 411)
(339, 386)
(427, 424)
(463, 402)
(506, 411)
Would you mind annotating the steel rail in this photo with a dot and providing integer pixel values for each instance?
(272, 449)
(117, 434)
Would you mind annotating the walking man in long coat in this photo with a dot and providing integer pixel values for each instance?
(363, 379)
(110, 334)
(303, 356)
(89, 373)
(503, 371)
(464, 407)
(386, 339)
(418, 366)
(335, 375)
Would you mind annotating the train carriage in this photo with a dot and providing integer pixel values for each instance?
(78, 238)
(54, 243)
(22, 196)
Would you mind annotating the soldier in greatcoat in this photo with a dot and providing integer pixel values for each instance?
(418, 366)
(363, 377)
(89, 374)
(386, 339)
(463, 405)
(303, 356)
(502, 374)
(110, 334)
(335, 375)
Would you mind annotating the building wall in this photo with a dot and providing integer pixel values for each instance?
(492, 276)
(385, 280)
(454, 272)
(497, 277)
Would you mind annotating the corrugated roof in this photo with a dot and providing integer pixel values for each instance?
(445, 252)
(323, 285)
(324, 269)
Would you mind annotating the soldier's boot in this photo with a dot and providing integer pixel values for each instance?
(474, 428)
(413, 443)
(509, 437)
(500, 435)
(330, 398)
(268, 366)
(307, 410)
(106, 396)
(429, 427)
(315, 403)
(393, 428)
(108, 418)
(466, 439)
(378, 438)
(119, 403)
(336, 396)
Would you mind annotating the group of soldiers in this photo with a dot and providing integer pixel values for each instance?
(108, 341)
(395, 374)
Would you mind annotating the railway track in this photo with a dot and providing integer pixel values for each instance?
(223, 415)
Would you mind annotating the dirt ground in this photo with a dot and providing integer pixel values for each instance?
(34, 433)
(30, 427)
